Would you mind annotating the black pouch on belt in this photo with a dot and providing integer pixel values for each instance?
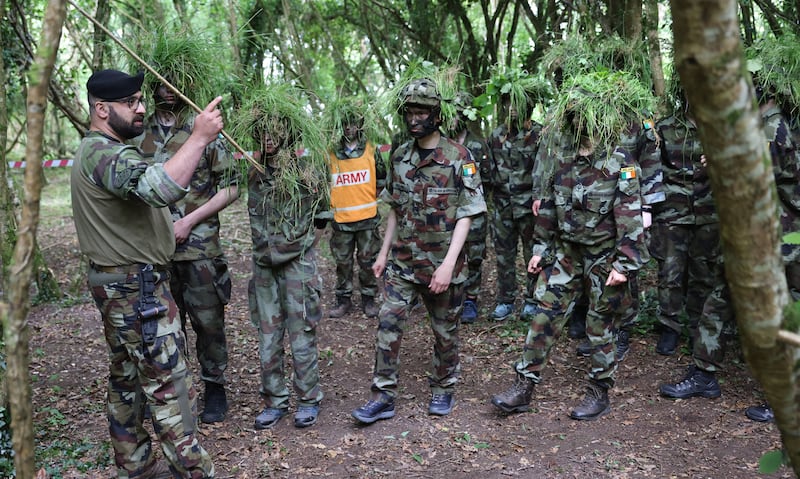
(149, 308)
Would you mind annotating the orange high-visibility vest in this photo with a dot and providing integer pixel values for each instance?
(354, 187)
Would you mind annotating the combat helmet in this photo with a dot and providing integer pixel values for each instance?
(421, 92)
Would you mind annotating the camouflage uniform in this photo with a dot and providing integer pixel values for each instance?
(686, 240)
(589, 223)
(475, 246)
(363, 236)
(786, 166)
(120, 216)
(511, 183)
(199, 277)
(428, 196)
(284, 292)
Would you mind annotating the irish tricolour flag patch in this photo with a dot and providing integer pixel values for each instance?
(627, 173)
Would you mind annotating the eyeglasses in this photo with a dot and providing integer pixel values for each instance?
(133, 102)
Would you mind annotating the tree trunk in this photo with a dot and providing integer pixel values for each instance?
(99, 37)
(709, 57)
(7, 223)
(16, 332)
(654, 47)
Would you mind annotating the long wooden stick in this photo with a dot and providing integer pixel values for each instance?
(166, 83)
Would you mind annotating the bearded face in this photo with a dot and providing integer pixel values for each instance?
(126, 128)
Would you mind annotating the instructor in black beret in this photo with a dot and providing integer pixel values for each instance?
(124, 228)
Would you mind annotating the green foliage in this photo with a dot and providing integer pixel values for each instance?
(281, 111)
(6, 446)
(771, 461)
(345, 110)
(446, 77)
(580, 54)
(602, 105)
(521, 90)
(775, 65)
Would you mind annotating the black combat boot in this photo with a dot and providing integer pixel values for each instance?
(216, 403)
(595, 404)
(517, 398)
(343, 306)
(369, 306)
(696, 383)
(585, 349)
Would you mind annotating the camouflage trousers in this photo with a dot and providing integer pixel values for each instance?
(689, 269)
(444, 309)
(507, 233)
(343, 245)
(202, 288)
(580, 306)
(156, 375)
(577, 268)
(708, 341)
(286, 299)
(475, 248)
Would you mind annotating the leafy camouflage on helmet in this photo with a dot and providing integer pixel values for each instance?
(601, 104)
(521, 90)
(192, 62)
(578, 54)
(775, 66)
(342, 111)
(280, 110)
(446, 79)
(463, 103)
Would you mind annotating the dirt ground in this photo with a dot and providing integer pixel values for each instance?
(644, 436)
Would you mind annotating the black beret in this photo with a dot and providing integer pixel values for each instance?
(113, 84)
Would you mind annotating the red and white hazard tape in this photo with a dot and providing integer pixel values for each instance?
(45, 164)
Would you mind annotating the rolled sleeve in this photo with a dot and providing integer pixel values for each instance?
(156, 188)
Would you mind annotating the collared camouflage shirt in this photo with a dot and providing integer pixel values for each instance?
(429, 195)
(216, 171)
(594, 201)
(686, 185)
(511, 168)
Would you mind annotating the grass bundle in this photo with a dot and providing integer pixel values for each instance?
(191, 62)
(601, 104)
(775, 65)
(282, 111)
(577, 55)
(342, 111)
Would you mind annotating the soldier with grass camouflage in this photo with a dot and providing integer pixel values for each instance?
(590, 235)
(284, 203)
(475, 247)
(358, 173)
(199, 278)
(513, 147)
(124, 227)
(433, 191)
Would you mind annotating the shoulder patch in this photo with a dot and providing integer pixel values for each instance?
(627, 173)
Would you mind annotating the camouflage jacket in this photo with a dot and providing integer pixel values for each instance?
(216, 171)
(380, 174)
(686, 186)
(642, 143)
(119, 204)
(511, 168)
(481, 153)
(594, 202)
(785, 166)
(281, 225)
(429, 195)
